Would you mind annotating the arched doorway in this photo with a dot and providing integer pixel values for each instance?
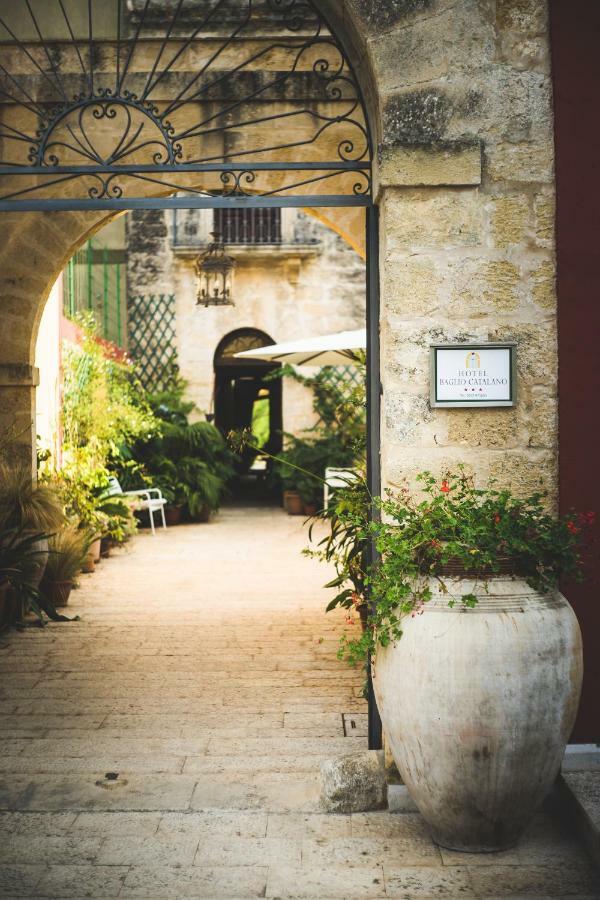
(245, 398)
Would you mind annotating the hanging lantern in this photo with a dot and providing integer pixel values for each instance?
(214, 271)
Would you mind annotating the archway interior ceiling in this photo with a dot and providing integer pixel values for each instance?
(107, 104)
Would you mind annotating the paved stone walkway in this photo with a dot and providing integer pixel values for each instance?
(168, 744)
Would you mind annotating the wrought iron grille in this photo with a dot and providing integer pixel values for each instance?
(110, 103)
(248, 226)
(152, 338)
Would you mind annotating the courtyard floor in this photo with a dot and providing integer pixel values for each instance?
(168, 743)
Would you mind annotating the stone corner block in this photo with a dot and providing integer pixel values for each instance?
(354, 783)
(450, 163)
(18, 375)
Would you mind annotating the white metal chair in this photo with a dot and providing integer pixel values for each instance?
(145, 500)
(337, 478)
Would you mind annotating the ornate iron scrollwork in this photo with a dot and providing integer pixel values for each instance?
(228, 98)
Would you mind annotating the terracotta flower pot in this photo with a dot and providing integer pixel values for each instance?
(106, 544)
(58, 592)
(203, 515)
(478, 705)
(95, 549)
(294, 504)
(173, 515)
(88, 565)
(310, 509)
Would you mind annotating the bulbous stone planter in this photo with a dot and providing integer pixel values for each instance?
(478, 705)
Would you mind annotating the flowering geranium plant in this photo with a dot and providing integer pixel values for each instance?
(456, 529)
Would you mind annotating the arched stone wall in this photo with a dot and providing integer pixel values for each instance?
(460, 103)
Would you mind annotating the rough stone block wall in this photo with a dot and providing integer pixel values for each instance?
(467, 224)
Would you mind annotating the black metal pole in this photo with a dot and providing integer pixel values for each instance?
(373, 421)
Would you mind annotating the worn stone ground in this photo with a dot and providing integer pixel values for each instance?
(198, 674)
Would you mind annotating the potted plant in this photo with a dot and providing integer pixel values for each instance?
(67, 551)
(29, 508)
(477, 656)
(20, 560)
(345, 547)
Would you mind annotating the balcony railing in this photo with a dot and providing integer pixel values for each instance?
(242, 228)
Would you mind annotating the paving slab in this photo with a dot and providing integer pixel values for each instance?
(168, 744)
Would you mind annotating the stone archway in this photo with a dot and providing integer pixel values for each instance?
(461, 110)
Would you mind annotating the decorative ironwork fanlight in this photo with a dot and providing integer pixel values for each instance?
(106, 103)
(214, 270)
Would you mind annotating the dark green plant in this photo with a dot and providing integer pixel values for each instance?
(20, 561)
(26, 505)
(457, 528)
(346, 544)
(301, 465)
(188, 461)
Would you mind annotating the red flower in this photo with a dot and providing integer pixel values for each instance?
(497, 518)
(572, 527)
(445, 488)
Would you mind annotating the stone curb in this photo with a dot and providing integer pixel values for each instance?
(579, 795)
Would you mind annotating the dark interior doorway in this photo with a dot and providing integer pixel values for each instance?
(246, 398)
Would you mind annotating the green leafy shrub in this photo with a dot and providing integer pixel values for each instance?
(458, 530)
(188, 461)
(25, 505)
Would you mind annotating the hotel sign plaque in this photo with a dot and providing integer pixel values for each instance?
(470, 375)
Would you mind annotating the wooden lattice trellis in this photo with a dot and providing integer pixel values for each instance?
(152, 338)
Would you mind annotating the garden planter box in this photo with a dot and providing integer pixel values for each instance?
(478, 705)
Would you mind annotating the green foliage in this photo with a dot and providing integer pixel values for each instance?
(458, 529)
(338, 438)
(301, 465)
(188, 461)
(104, 408)
(20, 563)
(104, 404)
(25, 505)
(339, 404)
(346, 544)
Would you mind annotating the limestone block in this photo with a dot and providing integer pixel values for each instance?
(432, 218)
(527, 16)
(457, 163)
(527, 53)
(544, 285)
(541, 412)
(526, 162)
(544, 210)
(536, 351)
(375, 15)
(510, 219)
(525, 472)
(433, 48)
(354, 783)
(411, 284)
(493, 428)
(405, 415)
(501, 278)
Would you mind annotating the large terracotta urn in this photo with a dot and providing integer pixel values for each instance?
(478, 705)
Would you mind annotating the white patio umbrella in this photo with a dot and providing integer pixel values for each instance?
(338, 349)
